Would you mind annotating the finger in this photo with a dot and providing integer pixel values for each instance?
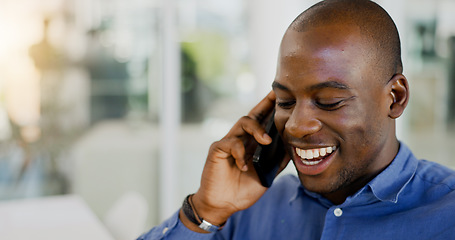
(263, 108)
(252, 127)
(238, 152)
(231, 148)
(258, 132)
(251, 123)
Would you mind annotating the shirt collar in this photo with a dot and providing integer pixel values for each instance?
(386, 186)
(297, 194)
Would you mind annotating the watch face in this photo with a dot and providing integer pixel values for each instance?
(208, 226)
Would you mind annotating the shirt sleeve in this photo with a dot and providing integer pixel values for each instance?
(173, 228)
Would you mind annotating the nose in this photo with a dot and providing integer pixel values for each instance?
(302, 122)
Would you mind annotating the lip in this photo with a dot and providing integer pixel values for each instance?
(313, 169)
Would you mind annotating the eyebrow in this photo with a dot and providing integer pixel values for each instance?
(330, 84)
(327, 84)
(276, 85)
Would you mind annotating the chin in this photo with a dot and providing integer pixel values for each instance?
(311, 183)
(323, 185)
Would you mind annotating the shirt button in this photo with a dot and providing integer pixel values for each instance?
(338, 212)
(165, 230)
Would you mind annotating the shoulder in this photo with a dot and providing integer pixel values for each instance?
(433, 185)
(434, 194)
(436, 175)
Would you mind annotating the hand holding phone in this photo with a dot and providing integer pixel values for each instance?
(229, 182)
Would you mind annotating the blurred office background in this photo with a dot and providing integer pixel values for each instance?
(109, 99)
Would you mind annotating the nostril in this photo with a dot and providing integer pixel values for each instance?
(303, 127)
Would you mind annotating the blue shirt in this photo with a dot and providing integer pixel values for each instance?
(410, 199)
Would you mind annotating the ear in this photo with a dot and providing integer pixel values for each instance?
(399, 95)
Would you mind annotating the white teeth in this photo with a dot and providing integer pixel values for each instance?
(310, 163)
(323, 151)
(309, 154)
(313, 153)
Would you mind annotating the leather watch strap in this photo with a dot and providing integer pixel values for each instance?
(189, 211)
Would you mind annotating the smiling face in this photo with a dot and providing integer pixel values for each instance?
(332, 110)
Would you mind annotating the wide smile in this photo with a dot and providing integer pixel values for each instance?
(313, 161)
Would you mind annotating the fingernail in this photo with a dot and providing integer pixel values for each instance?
(267, 137)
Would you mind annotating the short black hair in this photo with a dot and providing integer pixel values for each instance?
(376, 26)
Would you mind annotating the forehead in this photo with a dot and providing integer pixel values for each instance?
(323, 53)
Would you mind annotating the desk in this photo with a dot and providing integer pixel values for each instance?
(50, 218)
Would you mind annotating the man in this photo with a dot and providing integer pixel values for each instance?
(338, 89)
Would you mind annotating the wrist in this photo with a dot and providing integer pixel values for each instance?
(211, 214)
(191, 219)
(189, 224)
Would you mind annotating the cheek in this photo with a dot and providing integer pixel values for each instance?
(360, 129)
(351, 124)
(281, 118)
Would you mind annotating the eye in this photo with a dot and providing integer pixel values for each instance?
(329, 105)
(285, 104)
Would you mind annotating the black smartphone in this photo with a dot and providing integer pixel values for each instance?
(267, 158)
